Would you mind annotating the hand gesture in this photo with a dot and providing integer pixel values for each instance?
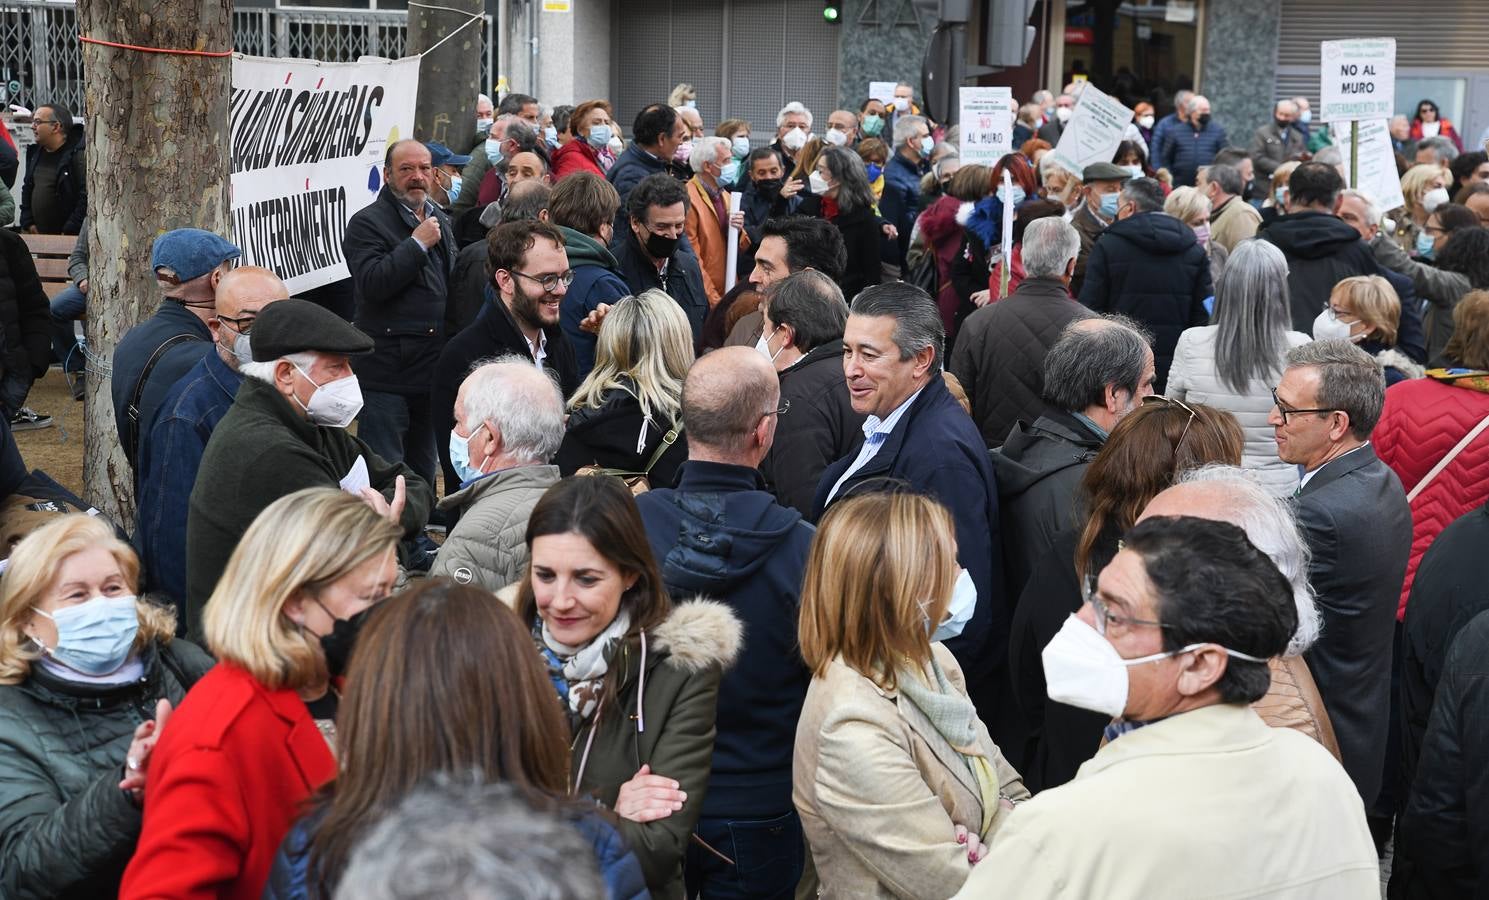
(791, 188)
(427, 233)
(981, 298)
(647, 797)
(591, 322)
(393, 512)
(890, 231)
(137, 757)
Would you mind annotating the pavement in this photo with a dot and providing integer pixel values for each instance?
(57, 450)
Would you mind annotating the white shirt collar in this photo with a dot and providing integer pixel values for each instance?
(874, 425)
(1309, 475)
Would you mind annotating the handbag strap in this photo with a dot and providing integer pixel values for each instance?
(1452, 454)
(668, 440)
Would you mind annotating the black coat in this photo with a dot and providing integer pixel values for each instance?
(1150, 267)
(608, 436)
(860, 231)
(1000, 350)
(819, 428)
(72, 181)
(1039, 471)
(25, 317)
(493, 333)
(1354, 516)
(630, 168)
(470, 287)
(684, 276)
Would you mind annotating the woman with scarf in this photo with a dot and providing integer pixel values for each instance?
(897, 782)
(637, 676)
(841, 195)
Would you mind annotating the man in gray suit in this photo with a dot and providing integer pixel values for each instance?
(1354, 515)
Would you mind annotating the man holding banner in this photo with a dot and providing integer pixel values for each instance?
(400, 250)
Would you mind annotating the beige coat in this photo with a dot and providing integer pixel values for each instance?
(1236, 221)
(880, 792)
(1205, 804)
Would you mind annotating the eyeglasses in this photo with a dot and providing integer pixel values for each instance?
(784, 408)
(36, 122)
(1155, 399)
(551, 281)
(1104, 614)
(242, 324)
(1288, 411)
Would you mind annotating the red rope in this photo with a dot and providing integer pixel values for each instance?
(88, 40)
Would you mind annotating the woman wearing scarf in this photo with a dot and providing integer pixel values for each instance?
(897, 782)
(638, 676)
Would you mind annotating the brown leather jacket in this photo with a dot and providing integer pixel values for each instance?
(1293, 701)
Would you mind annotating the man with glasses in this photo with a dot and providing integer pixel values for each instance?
(529, 274)
(171, 451)
(720, 533)
(400, 250)
(1354, 514)
(1192, 791)
(652, 252)
(54, 197)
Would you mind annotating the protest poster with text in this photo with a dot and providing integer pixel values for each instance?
(308, 140)
(987, 124)
(1093, 132)
(1377, 162)
(1357, 79)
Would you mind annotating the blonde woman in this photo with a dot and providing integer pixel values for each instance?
(1366, 310)
(630, 403)
(251, 740)
(1192, 208)
(88, 675)
(1060, 184)
(1425, 188)
(897, 782)
(1276, 202)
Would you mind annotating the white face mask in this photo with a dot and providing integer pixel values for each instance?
(335, 403)
(616, 145)
(794, 139)
(901, 104)
(1327, 327)
(741, 146)
(1083, 669)
(1434, 198)
(1145, 121)
(1063, 113)
(820, 185)
(762, 346)
(835, 138)
(959, 611)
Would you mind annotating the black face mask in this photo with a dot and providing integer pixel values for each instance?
(1283, 124)
(769, 187)
(1202, 120)
(659, 247)
(1248, 190)
(339, 643)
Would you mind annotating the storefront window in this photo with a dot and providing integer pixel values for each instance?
(1133, 51)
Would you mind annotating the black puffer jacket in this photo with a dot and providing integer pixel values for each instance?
(611, 436)
(1150, 267)
(818, 430)
(25, 322)
(66, 830)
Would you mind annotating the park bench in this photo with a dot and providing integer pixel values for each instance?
(50, 252)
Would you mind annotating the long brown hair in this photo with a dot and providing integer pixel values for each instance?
(444, 678)
(1145, 454)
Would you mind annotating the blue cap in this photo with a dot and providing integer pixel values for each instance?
(441, 155)
(191, 253)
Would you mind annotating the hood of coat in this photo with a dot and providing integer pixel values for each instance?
(1311, 235)
(1155, 233)
(1032, 453)
(584, 250)
(618, 402)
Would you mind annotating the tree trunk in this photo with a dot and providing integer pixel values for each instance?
(158, 145)
(450, 77)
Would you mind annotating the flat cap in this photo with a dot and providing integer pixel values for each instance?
(189, 253)
(295, 326)
(440, 155)
(1104, 171)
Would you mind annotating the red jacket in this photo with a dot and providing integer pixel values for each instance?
(1446, 131)
(226, 781)
(1423, 419)
(576, 156)
(943, 235)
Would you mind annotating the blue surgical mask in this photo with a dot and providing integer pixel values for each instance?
(740, 146)
(1305, 116)
(550, 136)
(460, 456)
(454, 191)
(927, 146)
(95, 637)
(1425, 243)
(494, 151)
(1017, 195)
(1281, 195)
(1109, 204)
(874, 170)
(959, 611)
(730, 174)
(599, 136)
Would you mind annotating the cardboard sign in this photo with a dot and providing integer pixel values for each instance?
(987, 124)
(1357, 79)
(883, 91)
(1093, 132)
(1377, 162)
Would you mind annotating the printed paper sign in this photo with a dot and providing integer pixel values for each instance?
(987, 124)
(1377, 162)
(883, 91)
(1357, 79)
(1095, 129)
(308, 141)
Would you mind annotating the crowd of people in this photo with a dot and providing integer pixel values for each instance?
(565, 562)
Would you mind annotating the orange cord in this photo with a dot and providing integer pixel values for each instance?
(88, 40)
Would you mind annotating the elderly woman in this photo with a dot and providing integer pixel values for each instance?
(626, 416)
(1192, 208)
(1425, 188)
(1060, 184)
(255, 737)
(637, 677)
(897, 782)
(1459, 263)
(1365, 309)
(841, 194)
(1233, 363)
(88, 675)
(1276, 203)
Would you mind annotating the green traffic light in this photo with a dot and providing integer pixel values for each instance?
(830, 13)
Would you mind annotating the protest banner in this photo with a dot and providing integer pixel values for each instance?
(1093, 132)
(308, 140)
(987, 124)
(883, 91)
(1377, 162)
(1357, 79)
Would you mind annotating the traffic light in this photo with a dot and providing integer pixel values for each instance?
(1010, 37)
(832, 11)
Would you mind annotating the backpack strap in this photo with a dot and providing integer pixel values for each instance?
(132, 410)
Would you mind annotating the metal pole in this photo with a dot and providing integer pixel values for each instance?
(1354, 154)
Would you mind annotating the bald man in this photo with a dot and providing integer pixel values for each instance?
(720, 533)
(171, 449)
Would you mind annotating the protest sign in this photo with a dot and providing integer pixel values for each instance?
(1377, 162)
(883, 91)
(1357, 79)
(987, 124)
(1093, 132)
(308, 140)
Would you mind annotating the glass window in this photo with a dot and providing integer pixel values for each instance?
(1447, 92)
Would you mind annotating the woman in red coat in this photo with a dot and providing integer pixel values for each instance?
(1424, 419)
(588, 151)
(1430, 123)
(255, 737)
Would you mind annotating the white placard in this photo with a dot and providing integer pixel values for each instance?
(987, 124)
(308, 140)
(1377, 162)
(731, 258)
(1096, 127)
(1357, 79)
(883, 91)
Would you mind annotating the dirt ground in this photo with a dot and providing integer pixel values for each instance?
(57, 450)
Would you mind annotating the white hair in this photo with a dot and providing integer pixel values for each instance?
(706, 150)
(523, 405)
(1048, 247)
(795, 106)
(905, 126)
(1270, 525)
(264, 371)
(1372, 211)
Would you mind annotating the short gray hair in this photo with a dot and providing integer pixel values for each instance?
(1372, 210)
(1049, 245)
(264, 371)
(917, 319)
(1227, 177)
(706, 150)
(1272, 528)
(795, 106)
(1349, 380)
(904, 126)
(523, 404)
(460, 839)
(1085, 360)
(1144, 193)
(811, 304)
(522, 132)
(1441, 147)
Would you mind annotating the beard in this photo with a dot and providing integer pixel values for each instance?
(528, 310)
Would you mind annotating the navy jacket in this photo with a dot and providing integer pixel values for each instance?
(900, 204)
(1184, 150)
(937, 449)
(597, 279)
(720, 534)
(170, 455)
(684, 276)
(130, 357)
(633, 165)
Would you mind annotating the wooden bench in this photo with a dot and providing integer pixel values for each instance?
(50, 252)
